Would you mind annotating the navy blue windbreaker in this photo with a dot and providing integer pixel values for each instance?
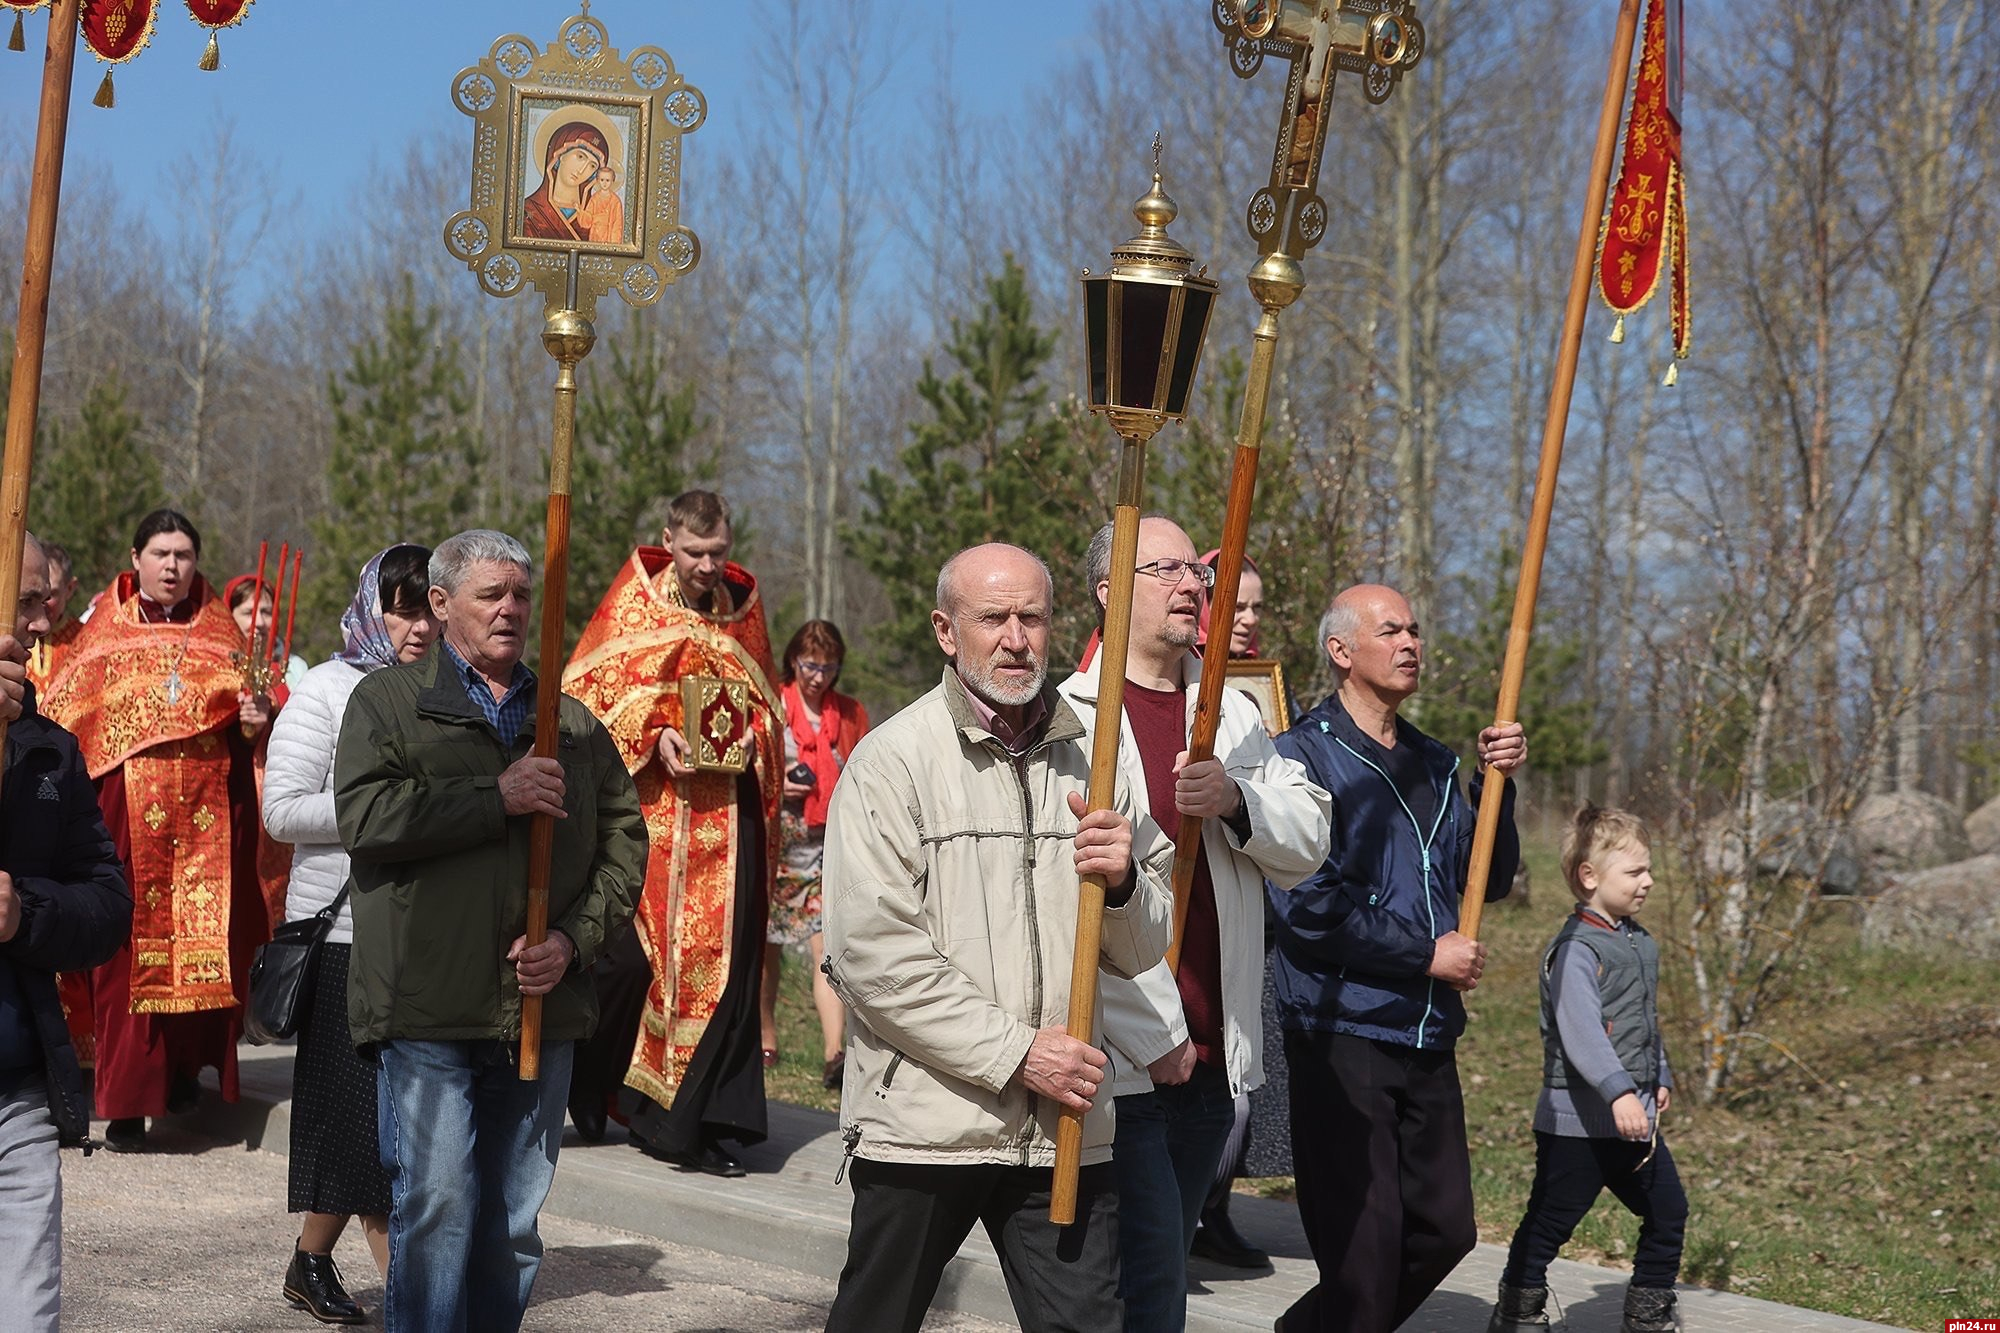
(1355, 939)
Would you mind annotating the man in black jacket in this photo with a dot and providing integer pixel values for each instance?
(63, 907)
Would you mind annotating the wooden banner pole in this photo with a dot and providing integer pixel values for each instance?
(38, 260)
(1528, 588)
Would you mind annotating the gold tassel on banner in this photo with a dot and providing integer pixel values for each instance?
(14, 41)
(1618, 330)
(211, 59)
(107, 96)
(1673, 375)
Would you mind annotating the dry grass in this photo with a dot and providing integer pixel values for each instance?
(1851, 1169)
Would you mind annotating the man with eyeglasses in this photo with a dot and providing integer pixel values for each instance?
(677, 663)
(1183, 1045)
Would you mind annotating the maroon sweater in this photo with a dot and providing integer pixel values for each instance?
(1159, 724)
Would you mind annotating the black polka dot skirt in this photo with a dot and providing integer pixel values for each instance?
(336, 1162)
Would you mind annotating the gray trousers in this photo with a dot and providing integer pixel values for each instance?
(30, 1211)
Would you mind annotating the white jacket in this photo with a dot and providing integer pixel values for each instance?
(298, 793)
(1290, 822)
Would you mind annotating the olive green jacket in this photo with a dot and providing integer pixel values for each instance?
(439, 880)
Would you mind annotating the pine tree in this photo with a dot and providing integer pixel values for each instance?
(93, 483)
(632, 458)
(986, 465)
(403, 461)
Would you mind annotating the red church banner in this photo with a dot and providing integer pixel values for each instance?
(117, 30)
(1645, 230)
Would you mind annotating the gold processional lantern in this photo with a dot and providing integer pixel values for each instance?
(1145, 322)
(1144, 325)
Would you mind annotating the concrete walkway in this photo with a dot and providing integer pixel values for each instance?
(788, 1212)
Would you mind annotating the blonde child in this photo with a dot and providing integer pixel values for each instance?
(1605, 1083)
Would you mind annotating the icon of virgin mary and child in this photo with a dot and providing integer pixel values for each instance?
(578, 197)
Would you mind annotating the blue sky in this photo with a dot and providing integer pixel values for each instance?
(320, 88)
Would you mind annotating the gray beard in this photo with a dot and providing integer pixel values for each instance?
(996, 695)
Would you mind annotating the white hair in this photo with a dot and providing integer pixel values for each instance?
(456, 555)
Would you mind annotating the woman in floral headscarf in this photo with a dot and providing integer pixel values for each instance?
(336, 1168)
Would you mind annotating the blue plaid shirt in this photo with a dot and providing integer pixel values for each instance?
(507, 714)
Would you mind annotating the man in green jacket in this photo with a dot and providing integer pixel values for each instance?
(435, 787)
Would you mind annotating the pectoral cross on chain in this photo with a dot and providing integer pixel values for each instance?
(175, 686)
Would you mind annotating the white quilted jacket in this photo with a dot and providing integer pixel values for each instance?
(298, 792)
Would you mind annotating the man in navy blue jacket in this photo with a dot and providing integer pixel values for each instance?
(63, 907)
(1369, 974)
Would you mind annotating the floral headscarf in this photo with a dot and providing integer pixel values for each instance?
(365, 635)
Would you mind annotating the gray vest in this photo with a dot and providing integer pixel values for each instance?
(1628, 986)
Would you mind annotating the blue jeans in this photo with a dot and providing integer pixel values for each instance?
(1166, 1149)
(470, 1150)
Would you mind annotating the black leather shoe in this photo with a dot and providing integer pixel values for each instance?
(183, 1094)
(127, 1135)
(715, 1160)
(586, 1112)
(1218, 1240)
(312, 1284)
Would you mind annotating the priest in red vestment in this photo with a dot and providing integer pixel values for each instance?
(681, 629)
(152, 688)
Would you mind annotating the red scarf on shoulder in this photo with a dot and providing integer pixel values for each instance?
(824, 751)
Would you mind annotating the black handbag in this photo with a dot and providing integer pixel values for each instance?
(282, 973)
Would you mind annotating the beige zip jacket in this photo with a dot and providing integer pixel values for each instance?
(950, 898)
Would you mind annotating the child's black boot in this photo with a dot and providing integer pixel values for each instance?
(1649, 1310)
(1519, 1308)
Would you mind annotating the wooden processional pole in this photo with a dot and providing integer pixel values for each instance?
(568, 337)
(38, 260)
(1146, 320)
(1287, 217)
(1554, 427)
(1276, 282)
(1103, 784)
(545, 120)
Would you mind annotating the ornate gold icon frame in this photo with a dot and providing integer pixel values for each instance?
(540, 115)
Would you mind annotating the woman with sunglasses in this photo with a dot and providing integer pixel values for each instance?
(822, 727)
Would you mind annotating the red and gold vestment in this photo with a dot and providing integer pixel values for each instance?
(628, 667)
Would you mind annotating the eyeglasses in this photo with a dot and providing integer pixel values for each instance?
(805, 668)
(1172, 571)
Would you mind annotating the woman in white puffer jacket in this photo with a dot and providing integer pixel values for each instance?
(336, 1169)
